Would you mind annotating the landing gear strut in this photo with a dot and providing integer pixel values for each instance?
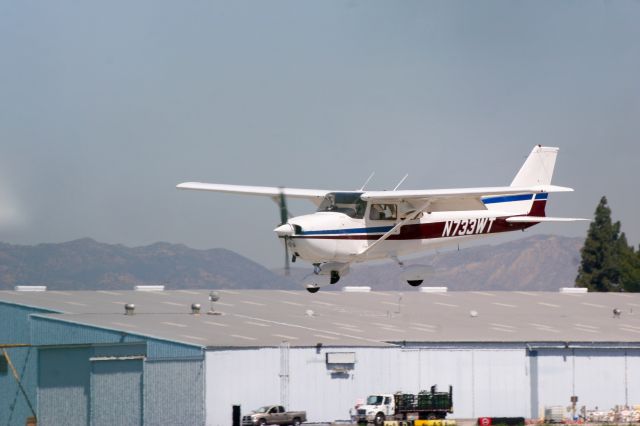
(325, 274)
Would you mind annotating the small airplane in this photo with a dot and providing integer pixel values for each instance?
(357, 226)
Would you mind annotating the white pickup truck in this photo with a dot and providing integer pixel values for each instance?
(274, 415)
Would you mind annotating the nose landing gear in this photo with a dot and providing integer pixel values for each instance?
(325, 274)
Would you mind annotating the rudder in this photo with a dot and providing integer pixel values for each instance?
(537, 168)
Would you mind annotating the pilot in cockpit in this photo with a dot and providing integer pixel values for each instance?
(382, 212)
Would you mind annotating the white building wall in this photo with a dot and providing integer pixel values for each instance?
(501, 384)
(633, 377)
(484, 382)
(239, 377)
(490, 381)
(600, 378)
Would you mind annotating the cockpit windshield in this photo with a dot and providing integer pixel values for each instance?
(348, 203)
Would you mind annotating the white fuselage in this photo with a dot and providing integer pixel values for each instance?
(336, 237)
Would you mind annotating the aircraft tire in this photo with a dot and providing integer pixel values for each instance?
(311, 289)
(415, 283)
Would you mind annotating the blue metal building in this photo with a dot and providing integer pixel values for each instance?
(77, 374)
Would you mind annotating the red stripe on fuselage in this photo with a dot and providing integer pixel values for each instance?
(424, 231)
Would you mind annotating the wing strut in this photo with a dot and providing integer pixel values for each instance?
(398, 225)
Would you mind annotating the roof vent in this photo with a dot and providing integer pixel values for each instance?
(574, 290)
(195, 308)
(356, 289)
(148, 288)
(214, 296)
(433, 289)
(30, 288)
(129, 309)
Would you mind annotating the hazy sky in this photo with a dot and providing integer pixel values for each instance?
(106, 106)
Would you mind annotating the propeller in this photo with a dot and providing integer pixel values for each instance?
(284, 217)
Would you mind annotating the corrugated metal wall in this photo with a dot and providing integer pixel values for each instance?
(599, 377)
(91, 385)
(14, 328)
(485, 382)
(166, 388)
(247, 377)
(488, 380)
(174, 392)
(116, 392)
(63, 386)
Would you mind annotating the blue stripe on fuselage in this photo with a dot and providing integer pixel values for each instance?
(349, 231)
(507, 198)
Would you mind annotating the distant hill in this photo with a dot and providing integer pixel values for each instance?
(532, 263)
(86, 264)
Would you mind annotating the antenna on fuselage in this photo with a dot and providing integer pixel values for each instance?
(367, 181)
(401, 181)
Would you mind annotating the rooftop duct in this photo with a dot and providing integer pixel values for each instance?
(30, 288)
(148, 288)
(433, 289)
(574, 290)
(356, 289)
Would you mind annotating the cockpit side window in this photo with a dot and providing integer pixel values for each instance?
(383, 212)
(348, 203)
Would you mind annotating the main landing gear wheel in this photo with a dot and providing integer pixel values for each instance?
(335, 277)
(416, 274)
(312, 288)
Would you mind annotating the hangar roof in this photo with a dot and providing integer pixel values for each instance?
(256, 318)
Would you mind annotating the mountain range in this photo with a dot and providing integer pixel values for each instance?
(539, 262)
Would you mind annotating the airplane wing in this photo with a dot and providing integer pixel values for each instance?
(455, 199)
(313, 195)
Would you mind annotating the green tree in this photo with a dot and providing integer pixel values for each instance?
(629, 262)
(601, 253)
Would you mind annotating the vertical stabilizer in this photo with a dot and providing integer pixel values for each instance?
(538, 167)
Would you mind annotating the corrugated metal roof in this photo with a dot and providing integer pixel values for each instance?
(254, 318)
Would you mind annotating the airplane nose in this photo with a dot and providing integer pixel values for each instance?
(284, 230)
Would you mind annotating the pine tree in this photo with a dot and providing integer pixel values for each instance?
(599, 268)
(629, 263)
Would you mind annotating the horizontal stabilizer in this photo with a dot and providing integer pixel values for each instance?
(537, 219)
